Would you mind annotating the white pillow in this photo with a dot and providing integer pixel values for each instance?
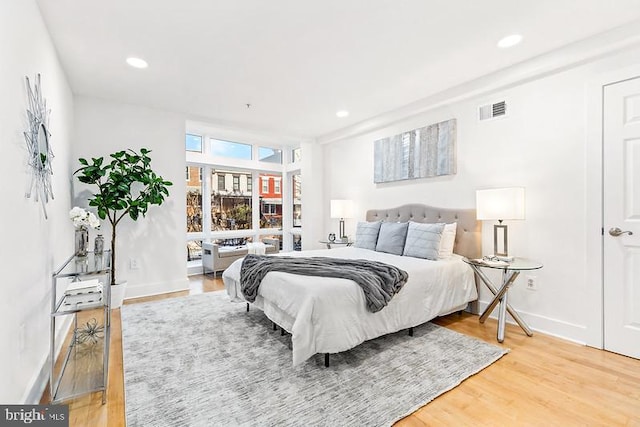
(447, 241)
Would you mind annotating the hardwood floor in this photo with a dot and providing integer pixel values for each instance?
(542, 381)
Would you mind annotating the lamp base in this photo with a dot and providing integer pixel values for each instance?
(341, 233)
(500, 246)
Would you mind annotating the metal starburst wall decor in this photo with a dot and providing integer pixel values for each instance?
(38, 145)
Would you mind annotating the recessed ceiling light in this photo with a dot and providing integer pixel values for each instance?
(342, 113)
(137, 62)
(509, 41)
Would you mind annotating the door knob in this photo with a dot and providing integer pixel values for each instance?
(615, 232)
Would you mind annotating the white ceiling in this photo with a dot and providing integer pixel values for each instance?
(299, 61)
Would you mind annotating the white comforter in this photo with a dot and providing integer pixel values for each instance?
(328, 315)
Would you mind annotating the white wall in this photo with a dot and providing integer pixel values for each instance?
(32, 246)
(312, 195)
(157, 241)
(541, 145)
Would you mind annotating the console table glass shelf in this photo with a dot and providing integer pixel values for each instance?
(84, 368)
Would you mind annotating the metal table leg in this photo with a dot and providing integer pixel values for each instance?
(507, 281)
(502, 316)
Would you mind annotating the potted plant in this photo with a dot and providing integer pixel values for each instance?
(126, 186)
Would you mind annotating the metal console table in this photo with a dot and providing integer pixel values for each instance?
(80, 371)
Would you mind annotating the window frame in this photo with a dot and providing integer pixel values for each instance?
(253, 168)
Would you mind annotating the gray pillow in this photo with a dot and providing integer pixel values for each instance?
(391, 237)
(367, 235)
(423, 240)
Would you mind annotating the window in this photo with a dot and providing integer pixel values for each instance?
(270, 201)
(270, 155)
(297, 200)
(231, 208)
(194, 201)
(297, 242)
(221, 201)
(230, 149)
(193, 143)
(194, 250)
(296, 155)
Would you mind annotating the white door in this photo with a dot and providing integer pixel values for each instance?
(621, 187)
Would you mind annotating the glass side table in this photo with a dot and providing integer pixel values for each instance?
(335, 243)
(510, 272)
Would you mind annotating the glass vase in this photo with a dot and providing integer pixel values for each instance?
(98, 245)
(82, 241)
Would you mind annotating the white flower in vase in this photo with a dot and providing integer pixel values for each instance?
(83, 219)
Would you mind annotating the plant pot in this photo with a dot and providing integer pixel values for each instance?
(117, 294)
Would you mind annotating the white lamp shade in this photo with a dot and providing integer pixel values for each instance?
(341, 209)
(500, 203)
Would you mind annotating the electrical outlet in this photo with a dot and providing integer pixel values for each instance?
(532, 283)
(133, 263)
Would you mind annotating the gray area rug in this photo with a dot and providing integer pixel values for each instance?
(203, 361)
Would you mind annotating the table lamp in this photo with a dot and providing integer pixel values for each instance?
(498, 204)
(342, 209)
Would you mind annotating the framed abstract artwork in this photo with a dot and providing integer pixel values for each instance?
(420, 153)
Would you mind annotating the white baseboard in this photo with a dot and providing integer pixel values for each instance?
(546, 325)
(194, 268)
(150, 289)
(41, 378)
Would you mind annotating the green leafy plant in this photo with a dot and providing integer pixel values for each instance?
(126, 186)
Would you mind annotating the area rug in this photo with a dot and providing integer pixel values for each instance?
(204, 361)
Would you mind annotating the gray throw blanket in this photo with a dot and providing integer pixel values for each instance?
(379, 281)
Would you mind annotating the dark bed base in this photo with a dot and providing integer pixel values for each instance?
(326, 355)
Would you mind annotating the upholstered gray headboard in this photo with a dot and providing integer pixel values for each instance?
(468, 235)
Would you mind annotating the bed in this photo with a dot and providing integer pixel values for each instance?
(329, 315)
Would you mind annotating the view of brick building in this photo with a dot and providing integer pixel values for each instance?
(231, 199)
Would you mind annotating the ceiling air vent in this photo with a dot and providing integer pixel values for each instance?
(492, 111)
